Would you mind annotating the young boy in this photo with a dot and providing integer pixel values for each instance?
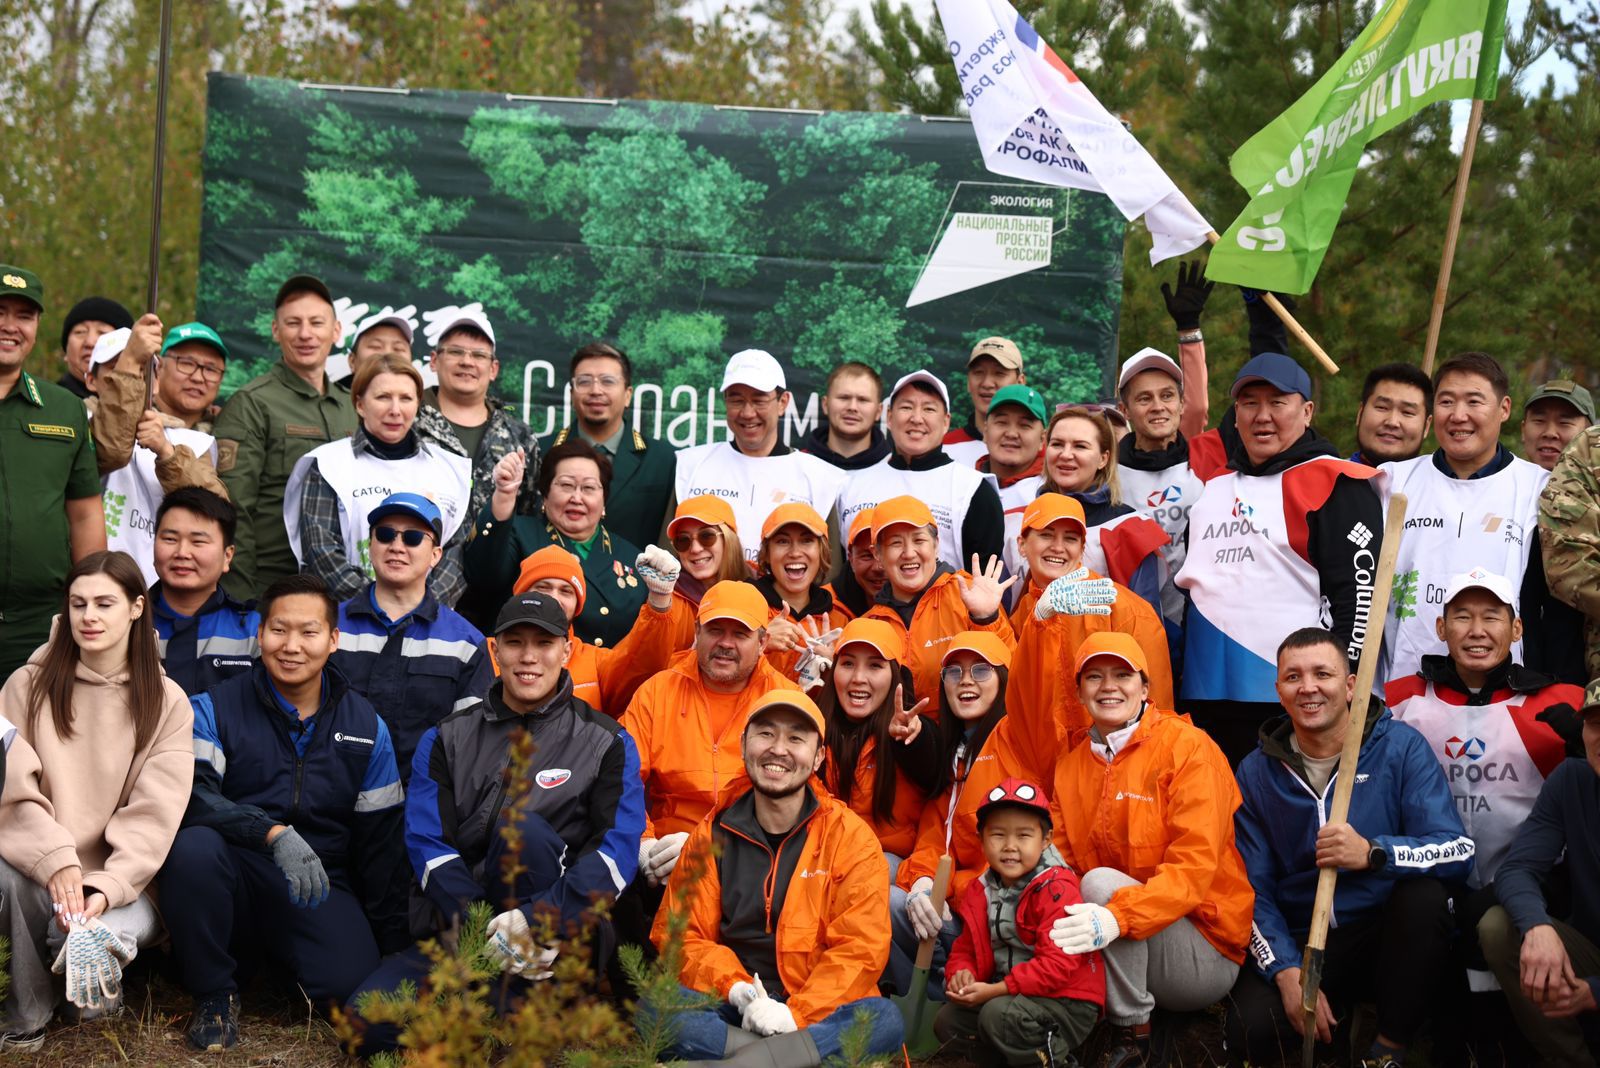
(1007, 985)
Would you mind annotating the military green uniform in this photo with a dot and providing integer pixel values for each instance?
(642, 473)
(270, 423)
(1569, 527)
(46, 460)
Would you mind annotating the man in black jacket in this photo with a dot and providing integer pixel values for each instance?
(848, 435)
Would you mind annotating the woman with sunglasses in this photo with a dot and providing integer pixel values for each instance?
(794, 550)
(702, 535)
(96, 783)
(883, 756)
(333, 487)
(977, 750)
(1080, 461)
(574, 481)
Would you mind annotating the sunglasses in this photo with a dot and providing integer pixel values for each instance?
(410, 538)
(706, 536)
(979, 672)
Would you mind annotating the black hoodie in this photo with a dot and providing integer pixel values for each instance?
(817, 445)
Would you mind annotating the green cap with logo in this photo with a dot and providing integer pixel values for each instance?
(1564, 390)
(1019, 394)
(194, 332)
(1591, 698)
(16, 282)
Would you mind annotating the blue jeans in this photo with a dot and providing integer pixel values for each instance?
(702, 1034)
(903, 948)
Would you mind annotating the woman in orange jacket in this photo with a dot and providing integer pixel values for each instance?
(1143, 806)
(978, 750)
(928, 601)
(794, 550)
(883, 758)
(703, 536)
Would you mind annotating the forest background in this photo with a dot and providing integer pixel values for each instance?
(1194, 78)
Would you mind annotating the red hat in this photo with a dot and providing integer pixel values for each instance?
(1016, 793)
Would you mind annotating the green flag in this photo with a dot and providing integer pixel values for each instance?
(1300, 166)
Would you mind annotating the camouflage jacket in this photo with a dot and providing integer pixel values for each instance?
(506, 433)
(1569, 528)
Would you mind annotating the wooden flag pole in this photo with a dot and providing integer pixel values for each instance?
(1291, 322)
(1447, 261)
(157, 173)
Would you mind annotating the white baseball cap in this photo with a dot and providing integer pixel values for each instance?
(925, 377)
(755, 368)
(1148, 359)
(1480, 579)
(109, 347)
(389, 317)
(475, 319)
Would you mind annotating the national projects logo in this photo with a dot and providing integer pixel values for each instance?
(1472, 748)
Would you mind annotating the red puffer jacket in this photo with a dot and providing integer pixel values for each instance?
(1051, 973)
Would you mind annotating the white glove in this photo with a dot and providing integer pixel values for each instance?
(511, 944)
(925, 919)
(1076, 594)
(658, 568)
(809, 668)
(91, 958)
(741, 994)
(1086, 927)
(764, 1017)
(658, 856)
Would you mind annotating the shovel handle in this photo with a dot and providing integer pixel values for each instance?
(941, 887)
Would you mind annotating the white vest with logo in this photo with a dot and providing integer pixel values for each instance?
(754, 485)
(1165, 496)
(1014, 501)
(362, 480)
(1452, 526)
(946, 490)
(133, 493)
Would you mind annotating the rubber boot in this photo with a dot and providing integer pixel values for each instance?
(792, 1050)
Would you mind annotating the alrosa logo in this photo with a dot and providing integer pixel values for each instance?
(1471, 748)
(550, 778)
(1165, 495)
(1241, 510)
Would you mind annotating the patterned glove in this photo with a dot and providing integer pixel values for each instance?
(510, 943)
(658, 568)
(1076, 594)
(91, 958)
(809, 668)
(1086, 927)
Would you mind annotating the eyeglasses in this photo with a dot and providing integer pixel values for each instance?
(410, 538)
(590, 381)
(189, 367)
(762, 403)
(572, 485)
(706, 536)
(980, 672)
(456, 352)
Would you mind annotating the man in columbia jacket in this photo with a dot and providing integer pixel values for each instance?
(580, 811)
(1389, 939)
(291, 847)
(788, 922)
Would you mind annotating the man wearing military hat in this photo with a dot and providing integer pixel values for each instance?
(1555, 413)
(49, 488)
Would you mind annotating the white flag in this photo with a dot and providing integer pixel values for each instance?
(1036, 120)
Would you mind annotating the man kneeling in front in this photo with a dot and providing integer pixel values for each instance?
(789, 922)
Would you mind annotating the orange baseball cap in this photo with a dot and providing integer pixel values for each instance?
(788, 699)
(1049, 508)
(552, 562)
(897, 512)
(707, 508)
(796, 512)
(984, 643)
(883, 638)
(861, 524)
(1111, 643)
(739, 601)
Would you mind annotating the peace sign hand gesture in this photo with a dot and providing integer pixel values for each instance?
(982, 592)
(906, 723)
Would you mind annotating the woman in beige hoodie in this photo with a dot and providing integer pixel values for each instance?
(96, 782)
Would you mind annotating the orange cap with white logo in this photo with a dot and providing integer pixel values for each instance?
(985, 643)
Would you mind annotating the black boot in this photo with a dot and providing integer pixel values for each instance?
(1129, 1047)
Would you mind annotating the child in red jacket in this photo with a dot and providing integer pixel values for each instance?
(1023, 1000)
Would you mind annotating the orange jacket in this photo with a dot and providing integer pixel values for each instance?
(940, 615)
(1000, 758)
(1162, 812)
(607, 678)
(833, 932)
(899, 834)
(1043, 692)
(686, 771)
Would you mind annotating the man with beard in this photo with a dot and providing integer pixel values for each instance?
(787, 894)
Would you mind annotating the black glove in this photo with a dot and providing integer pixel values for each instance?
(1565, 721)
(1189, 300)
(1267, 331)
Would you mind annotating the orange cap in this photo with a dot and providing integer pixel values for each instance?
(707, 508)
(797, 512)
(883, 638)
(861, 524)
(789, 699)
(985, 643)
(735, 600)
(1111, 643)
(552, 562)
(899, 511)
(1049, 508)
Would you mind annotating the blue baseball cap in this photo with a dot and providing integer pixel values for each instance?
(1276, 370)
(412, 504)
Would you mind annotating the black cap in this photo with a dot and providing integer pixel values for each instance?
(96, 310)
(534, 609)
(303, 283)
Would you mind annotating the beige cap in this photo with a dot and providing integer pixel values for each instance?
(1002, 350)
